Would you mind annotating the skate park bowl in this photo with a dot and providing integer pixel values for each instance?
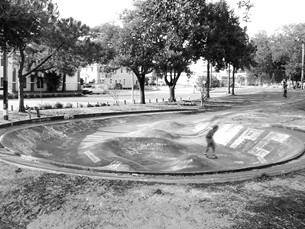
(163, 146)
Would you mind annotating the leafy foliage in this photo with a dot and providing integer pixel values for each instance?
(280, 55)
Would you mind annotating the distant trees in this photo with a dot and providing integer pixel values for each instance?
(279, 55)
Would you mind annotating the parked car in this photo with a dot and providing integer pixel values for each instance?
(94, 89)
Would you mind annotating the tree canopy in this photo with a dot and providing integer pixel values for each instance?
(279, 55)
(36, 34)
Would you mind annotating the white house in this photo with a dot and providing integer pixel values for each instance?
(94, 74)
(31, 83)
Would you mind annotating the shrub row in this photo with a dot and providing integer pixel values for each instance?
(49, 95)
(44, 95)
(58, 105)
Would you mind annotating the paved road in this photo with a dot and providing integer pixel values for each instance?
(184, 93)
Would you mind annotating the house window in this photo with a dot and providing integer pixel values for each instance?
(2, 61)
(39, 82)
(24, 82)
(121, 70)
(110, 81)
(124, 82)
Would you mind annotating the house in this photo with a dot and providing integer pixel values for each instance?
(32, 83)
(94, 74)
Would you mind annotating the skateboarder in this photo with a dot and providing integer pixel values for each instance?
(211, 143)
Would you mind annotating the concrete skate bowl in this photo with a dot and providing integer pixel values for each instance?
(165, 147)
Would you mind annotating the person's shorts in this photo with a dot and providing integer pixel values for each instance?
(210, 143)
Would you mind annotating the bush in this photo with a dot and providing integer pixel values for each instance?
(89, 105)
(118, 86)
(58, 105)
(45, 106)
(69, 105)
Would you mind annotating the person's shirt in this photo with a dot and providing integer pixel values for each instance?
(211, 133)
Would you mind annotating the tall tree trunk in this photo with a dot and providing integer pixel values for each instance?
(64, 79)
(233, 81)
(141, 79)
(229, 81)
(208, 81)
(172, 97)
(5, 86)
(21, 82)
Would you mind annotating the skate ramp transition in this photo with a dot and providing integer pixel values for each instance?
(151, 144)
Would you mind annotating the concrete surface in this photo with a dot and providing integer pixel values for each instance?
(156, 144)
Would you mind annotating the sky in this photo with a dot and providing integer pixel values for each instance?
(268, 15)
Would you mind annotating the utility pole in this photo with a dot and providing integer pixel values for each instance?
(302, 73)
(5, 86)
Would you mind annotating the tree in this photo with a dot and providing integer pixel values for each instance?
(286, 50)
(75, 46)
(175, 54)
(211, 39)
(280, 55)
(239, 49)
(35, 33)
(263, 56)
(25, 22)
(106, 38)
(137, 45)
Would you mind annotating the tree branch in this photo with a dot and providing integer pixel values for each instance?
(42, 63)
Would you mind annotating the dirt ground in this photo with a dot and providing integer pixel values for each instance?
(37, 199)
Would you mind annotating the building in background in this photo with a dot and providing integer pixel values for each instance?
(33, 83)
(94, 74)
